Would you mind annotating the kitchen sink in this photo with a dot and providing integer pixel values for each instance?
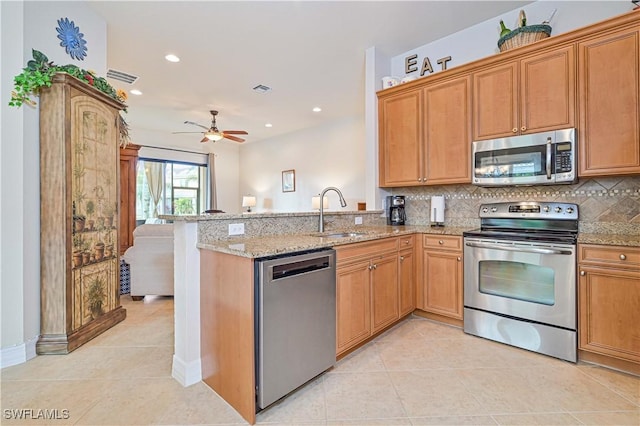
(344, 235)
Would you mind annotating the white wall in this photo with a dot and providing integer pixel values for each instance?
(480, 41)
(26, 26)
(324, 156)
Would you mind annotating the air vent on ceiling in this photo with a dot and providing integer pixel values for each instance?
(261, 88)
(121, 76)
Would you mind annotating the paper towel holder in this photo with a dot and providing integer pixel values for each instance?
(437, 211)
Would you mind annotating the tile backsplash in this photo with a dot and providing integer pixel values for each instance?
(606, 205)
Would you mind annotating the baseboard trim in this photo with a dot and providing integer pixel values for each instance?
(186, 374)
(18, 354)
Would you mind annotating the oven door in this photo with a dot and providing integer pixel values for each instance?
(531, 281)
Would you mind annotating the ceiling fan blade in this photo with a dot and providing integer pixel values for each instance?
(175, 133)
(235, 132)
(205, 139)
(196, 124)
(233, 138)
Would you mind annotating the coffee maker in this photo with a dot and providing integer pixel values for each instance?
(395, 210)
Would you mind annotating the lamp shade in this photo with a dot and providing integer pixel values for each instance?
(315, 202)
(248, 201)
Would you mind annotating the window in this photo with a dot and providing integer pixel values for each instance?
(172, 188)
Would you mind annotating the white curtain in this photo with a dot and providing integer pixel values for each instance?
(211, 180)
(153, 171)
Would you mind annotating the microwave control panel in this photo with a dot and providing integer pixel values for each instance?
(563, 157)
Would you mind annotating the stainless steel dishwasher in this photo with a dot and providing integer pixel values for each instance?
(295, 321)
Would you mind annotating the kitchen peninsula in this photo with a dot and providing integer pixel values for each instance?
(214, 283)
(212, 267)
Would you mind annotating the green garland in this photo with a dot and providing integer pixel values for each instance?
(40, 71)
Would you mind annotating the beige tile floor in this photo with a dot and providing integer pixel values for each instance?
(418, 373)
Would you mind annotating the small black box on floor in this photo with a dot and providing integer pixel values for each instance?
(125, 277)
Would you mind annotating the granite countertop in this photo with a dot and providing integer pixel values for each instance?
(609, 239)
(262, 215)
(281, 244)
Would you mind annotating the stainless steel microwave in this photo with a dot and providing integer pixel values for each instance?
(547, 158)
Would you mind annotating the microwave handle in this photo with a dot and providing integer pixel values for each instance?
(549, 158)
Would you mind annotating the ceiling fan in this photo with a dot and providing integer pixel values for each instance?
(213, 134)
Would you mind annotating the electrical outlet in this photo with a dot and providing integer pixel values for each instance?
(236, 229)
(358, 220)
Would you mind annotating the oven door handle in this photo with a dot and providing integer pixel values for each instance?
(519, 249)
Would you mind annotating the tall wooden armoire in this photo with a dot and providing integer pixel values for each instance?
(128, 163)
(79, 214)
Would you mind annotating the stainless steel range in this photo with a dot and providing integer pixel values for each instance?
(520, 277)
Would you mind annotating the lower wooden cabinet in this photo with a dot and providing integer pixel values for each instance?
(384, 291)
(609, 304)
(407, 276)
(441, 277)
(374, 288)
(353, 304)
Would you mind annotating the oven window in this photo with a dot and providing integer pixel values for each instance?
(516, 280)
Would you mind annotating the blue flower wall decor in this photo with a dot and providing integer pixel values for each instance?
(71, 39)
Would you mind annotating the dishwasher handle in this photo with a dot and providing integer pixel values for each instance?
(291, 269)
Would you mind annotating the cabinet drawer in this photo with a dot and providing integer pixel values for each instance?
(406, 242)
(619, 256)
(446, 242)
(365, 249)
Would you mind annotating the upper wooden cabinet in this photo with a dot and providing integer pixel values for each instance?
(400, 135)
(528, 95)
(447, 118)
(588, 79)
(425, 135)
(609, 103)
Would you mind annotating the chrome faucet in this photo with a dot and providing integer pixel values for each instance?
(343, 203)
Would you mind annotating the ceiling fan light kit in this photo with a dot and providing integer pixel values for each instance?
(212, 134)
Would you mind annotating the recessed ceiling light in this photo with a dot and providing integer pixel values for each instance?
(268, 125)
(135, 92)
(172, 58)
(317, 109)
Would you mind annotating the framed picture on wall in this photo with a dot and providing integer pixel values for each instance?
(288, 181)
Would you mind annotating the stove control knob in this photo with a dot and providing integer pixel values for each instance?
(569, 210)
(494, 209)
(485, 210)
(557, 209)
(546, 209)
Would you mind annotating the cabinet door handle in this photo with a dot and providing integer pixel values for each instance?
(419, 179)
(370, 267)
(406, 241)
(401, 258)
(375, 266)
(523, 128)
(514, 130)
(440, 242)
(623, 257)
(582, 273)
(459, 259)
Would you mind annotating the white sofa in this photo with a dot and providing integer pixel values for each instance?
(150, 260)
